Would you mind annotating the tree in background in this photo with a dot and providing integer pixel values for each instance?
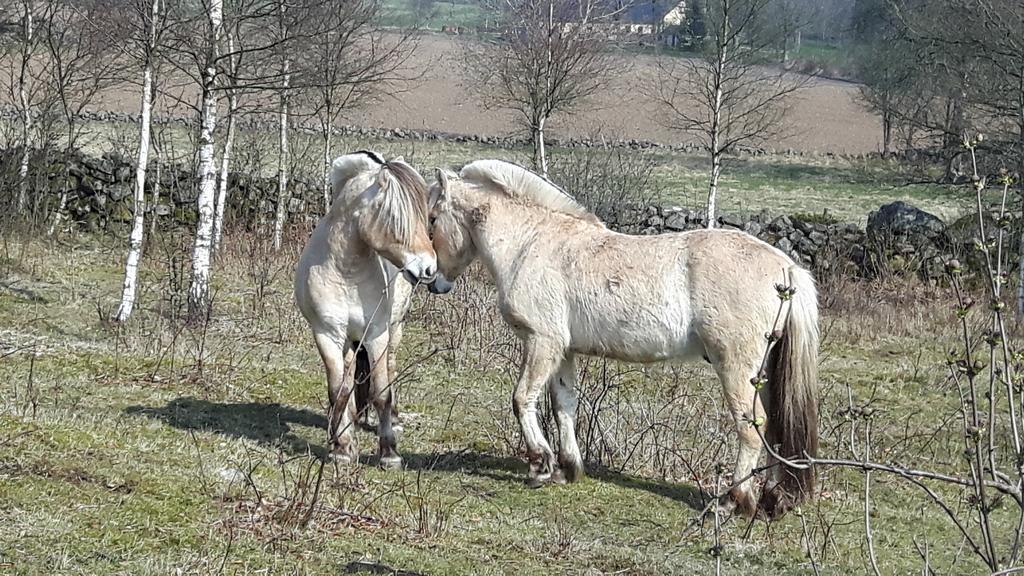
(551, 56)
(21, 57)
(725, 97)
(143, 45)
(81, 54)
(347, 62)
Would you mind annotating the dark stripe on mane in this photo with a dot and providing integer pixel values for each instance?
(373, 156)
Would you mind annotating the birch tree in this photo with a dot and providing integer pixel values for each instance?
(150, 27)
(282, 151)
(233, 61)
(206, 177)
(348, 62)
(724, 98)
(549, 59)
(82, 59)
(22, 58)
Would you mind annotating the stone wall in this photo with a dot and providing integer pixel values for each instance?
(898, 239)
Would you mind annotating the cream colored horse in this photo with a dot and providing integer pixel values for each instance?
(567, 285)
(349, 286)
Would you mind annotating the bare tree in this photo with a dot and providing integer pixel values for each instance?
(199, 290)
(150, 26)
(552, 55)
(283, 95)
(82, 59)
(726, 98)
(350, 62)
(21, 63)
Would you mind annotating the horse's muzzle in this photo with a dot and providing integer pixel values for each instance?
(440, 285)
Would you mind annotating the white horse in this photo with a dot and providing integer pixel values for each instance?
(567, 285)
(350, 289)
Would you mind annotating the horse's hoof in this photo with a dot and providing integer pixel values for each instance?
(537, 481)
(557, 477)
(344, 457)
(398, 428)
(390, 463)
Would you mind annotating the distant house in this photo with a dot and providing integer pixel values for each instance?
(640, 21)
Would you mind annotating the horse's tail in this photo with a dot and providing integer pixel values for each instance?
(362, 384)
(792, 407)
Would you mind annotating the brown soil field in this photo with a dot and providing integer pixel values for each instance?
(825, 116)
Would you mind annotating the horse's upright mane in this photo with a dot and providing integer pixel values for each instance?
(518, 182)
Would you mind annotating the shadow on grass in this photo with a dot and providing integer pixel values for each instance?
(271, 424)
(267, 423)
(507, 469)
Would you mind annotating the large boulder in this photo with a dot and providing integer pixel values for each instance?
(901, 219)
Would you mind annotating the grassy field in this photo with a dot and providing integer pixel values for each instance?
(847, 188)
(154, 448)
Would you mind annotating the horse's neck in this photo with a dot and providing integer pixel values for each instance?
(509, 230)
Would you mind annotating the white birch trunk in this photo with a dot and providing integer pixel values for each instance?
(542, 155)
(55, 223)
(131, 268)
(26, 112)
(225, 160)
(156, 192)
(282, 164)
(716, 122)
(206, 174)
(225, 165)
(327, 169)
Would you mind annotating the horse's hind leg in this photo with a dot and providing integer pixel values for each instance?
(396, 331)
(541, 359)
(383, 400)
(735, 374)
(339, 361)
(562, 389)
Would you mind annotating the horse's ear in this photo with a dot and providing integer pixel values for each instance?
(442, 186)
(383, 179)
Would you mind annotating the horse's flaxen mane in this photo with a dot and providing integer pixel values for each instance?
(518, 182)
(402, 205)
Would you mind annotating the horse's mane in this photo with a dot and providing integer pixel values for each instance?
(401, 204)
(518, 182)
(347, 167)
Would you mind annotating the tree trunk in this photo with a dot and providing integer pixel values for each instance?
(716, 120)
(282, 164)
(716, 172)
(138, 207)
(540, 156)
(156, 191)
(131, 268)
(199, 291)
(327, 168)
(225, 164)
(886, 133)
(26, 112)
(63, 202)
(225, 160)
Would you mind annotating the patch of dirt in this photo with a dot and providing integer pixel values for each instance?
(825, 118)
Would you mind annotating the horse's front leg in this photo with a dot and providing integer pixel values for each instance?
(562, 390)
(541, 359)
(339, 361)
(383, 398)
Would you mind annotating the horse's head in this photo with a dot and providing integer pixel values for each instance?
(393, 221)
(450, 230)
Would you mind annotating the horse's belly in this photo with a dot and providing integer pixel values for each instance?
(634, 339)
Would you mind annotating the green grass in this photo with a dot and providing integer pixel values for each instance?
(433, 15)
(151, 448)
